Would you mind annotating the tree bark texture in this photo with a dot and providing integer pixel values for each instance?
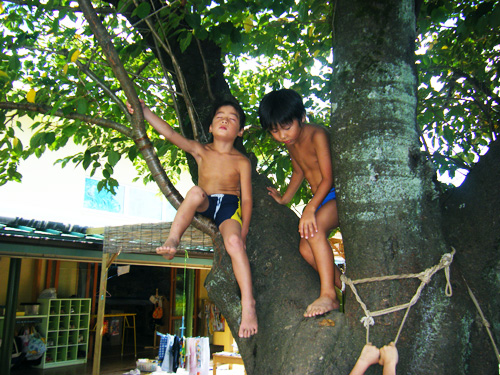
(388, 206)
(471, 223)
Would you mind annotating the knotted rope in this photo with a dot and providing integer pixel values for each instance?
(424, 277)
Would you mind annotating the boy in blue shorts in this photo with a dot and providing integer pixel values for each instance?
(282, 113)
(224, 194)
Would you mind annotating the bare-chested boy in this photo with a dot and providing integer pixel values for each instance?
(282, 113)
(224, 194)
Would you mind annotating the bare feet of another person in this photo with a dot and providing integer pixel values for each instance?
(248, 326)
(168, 249)
(321, 306)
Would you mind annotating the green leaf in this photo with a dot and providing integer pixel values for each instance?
(143, 10)
(87, 159)
(193, 20)
(186, 41)
(81, 106)
(132, 153)
(49, 138)
(201, 34)
(113, 157)
(218, 11)
(173, 154)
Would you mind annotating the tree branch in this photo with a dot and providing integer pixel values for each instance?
(140, 136)
(44, 109)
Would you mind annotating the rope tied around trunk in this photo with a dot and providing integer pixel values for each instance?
(425, 278)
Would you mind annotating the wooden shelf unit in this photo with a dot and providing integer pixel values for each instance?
(65, 325)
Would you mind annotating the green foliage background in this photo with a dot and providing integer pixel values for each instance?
(47, 47)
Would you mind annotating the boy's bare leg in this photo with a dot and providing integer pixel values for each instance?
(307, 254)
(326, 219)
(196, 200)
(231, 232)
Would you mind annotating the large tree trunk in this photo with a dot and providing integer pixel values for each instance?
(388, 208)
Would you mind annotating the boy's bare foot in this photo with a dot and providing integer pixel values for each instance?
(248, 326)
(168, 249)
(321, 306)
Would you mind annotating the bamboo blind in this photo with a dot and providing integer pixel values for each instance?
(145, 238)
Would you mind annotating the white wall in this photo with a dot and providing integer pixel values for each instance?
(51, 193)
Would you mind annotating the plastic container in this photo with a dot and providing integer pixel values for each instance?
(31, 308)
(147, 365)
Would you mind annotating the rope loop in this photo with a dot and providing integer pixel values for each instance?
(425, 278)
(449, 258)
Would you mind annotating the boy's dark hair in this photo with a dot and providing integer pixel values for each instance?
(281, 107)
(235, 105)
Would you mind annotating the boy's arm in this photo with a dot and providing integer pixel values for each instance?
(293, 186)
(369, 356)
(322, 146)
(307, 224)
(389, 359)
(246, 196)
(162, 127)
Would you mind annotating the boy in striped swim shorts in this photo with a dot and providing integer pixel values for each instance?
(224, 194)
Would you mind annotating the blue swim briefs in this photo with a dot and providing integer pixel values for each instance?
(222, 207)
(330, 196)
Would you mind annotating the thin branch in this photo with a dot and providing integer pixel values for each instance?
(44, 109)
(85, 69)
(205, 68)
(148, 61)
(180, 77)
(168, 88)
(105, 88)
(167, 77)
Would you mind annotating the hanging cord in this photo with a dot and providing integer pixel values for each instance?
(183, 325)
(424, 277)
(486, 324)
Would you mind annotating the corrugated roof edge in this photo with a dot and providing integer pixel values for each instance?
(31, 228)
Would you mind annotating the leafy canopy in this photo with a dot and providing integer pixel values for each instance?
(50, 58)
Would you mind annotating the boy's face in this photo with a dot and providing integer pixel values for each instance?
(287, 133)
(226, 123)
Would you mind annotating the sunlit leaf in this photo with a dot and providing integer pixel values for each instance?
(74, 56)
(30, 96)
(248, 24)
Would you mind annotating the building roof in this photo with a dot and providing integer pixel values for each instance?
(53, 240)
(48, 230)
